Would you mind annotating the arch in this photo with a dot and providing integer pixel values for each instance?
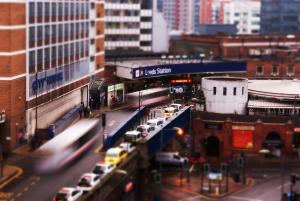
(273, 140)
(212, 148)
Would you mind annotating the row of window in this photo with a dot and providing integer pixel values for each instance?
(122, 38)
(57, 32)
(234, 91)
(124, 25)
(275, 70)
(40, 59)
(46, 11)
(126, 13)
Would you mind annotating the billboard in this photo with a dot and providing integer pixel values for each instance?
(242, 139)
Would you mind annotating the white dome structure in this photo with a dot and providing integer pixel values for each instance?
(227, 95)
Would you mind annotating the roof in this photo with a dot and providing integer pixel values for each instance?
(270, 104)
(68, 136)
(280, 89)
(134, 132)
(113, 150)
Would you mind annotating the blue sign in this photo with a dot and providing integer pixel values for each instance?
(190, 68)
(47, 80)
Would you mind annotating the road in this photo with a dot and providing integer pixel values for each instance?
(32, 186)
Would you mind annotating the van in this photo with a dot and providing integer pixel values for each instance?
(115, 155)
(169, 112)
(133, 136)
(171, 158)
(155, 122)
(177, 106)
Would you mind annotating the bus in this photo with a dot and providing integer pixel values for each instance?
(68, 145)
(148, 97)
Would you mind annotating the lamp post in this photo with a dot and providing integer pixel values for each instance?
(2, 121)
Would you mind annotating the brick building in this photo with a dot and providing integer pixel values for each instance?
(224, 135)
(49, 52)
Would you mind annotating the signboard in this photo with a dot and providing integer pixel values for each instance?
(189, 68)
(215, 176)
(242, 139)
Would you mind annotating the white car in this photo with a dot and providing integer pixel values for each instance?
(88, 181)
(177, 106)
(68, 194)
(127, 146)
(155, 122)
(133, 136)
(102, 169)
(163, 119)
(145, 129)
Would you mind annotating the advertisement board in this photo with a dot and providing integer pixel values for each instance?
(242, 139)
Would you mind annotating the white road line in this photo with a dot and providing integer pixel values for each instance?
(244, 198)
(192, 198)
(285, 184)
(111, 123)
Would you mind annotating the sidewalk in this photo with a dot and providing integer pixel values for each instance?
(9, 174)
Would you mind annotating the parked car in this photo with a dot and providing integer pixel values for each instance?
(133, 136)
(115, 155)
(68, 194)
(177, 106)
(145, 129)
(88, 182)
(127, 146)
(155, 122)
(102, 169)
(171, 158)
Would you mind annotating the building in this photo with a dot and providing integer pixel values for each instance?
(206, 12)
(280, 17)
(49, 51)
(228, 95)
(128, 25)
(245, 14)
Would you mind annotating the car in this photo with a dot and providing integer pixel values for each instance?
(127, 146)
(102, 169)
(145, 129)
(68, 194)
(133, 136)
(163, 119)
(115, 155)
(177, 106)
(169, 112)
(88, 182)
(155, 122)
(171, 158)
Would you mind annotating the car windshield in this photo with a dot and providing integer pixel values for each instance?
(98, 170)
(84, 182)
(141, 129)
(61, 197)
(112, 154)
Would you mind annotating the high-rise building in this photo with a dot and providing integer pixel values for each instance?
(128, 25)
(280, 17)
(206, 11)
(49, 52)
(245, 14)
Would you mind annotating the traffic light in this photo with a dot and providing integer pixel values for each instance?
(103, 119)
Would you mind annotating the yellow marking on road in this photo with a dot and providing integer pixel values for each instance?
(26, 189)
(12, 199)
(98, 150)
(19, 195)
(6, 195)
(32, 183)
(19, 172)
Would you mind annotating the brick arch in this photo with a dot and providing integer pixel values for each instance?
(212, 148)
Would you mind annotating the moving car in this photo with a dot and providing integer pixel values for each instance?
(102, 169)
(145, 129)
(155, 122)
(127, 146)
(177, 106)
(169, 112)
(171, 158)
(133, 136)
(115, 155)
(68, 194)
(88, 181)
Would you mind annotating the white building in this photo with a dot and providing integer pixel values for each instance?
(128, 25)
(160, 42)
(228, 95)
(246, 14)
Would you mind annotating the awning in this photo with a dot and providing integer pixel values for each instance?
(96, 85)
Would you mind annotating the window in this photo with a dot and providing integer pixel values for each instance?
(259, 70)
(274, 70)
(31, 34)
(290, 70)
(214, 90)
(39, 9)
(224, 91)
(53, 11)
(242, 90)
(31, 10)
(234, 91)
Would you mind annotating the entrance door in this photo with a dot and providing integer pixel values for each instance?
(274, 143)
(212, 146)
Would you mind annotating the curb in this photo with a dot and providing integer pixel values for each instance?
(18, 171)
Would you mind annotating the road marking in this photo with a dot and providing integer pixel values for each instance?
(285, 184)
(26, 189)
(32, 183)
(192, 198)
(112, 122)
(19, 172)
(19, 195)
(243, 198)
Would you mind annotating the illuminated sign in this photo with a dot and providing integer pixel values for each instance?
(242, 139)
(181, 81)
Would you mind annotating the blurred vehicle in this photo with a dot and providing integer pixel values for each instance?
(88, 182)
(67, 145)
(163, 119)
(171, 158)
(169, 112)
(148, 97)
(145, 129)
(68, 194)
(133, 136)
(127, 146)
(115, 155)
(155, 122)
(102, 169)
(177, 106)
